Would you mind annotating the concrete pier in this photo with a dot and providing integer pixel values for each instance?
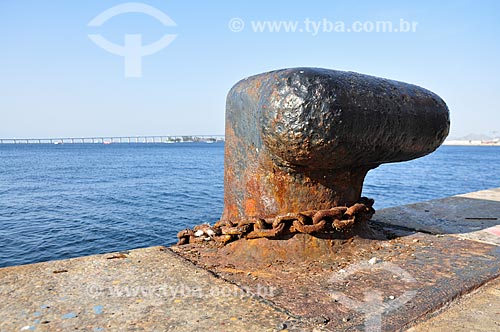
(438, 270)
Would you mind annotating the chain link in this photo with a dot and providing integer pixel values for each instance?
(336, 219)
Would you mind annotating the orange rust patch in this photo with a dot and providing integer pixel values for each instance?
(250, 207)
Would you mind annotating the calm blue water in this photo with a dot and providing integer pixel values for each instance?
(62, 201)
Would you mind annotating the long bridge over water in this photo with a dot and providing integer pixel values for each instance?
(115, 139)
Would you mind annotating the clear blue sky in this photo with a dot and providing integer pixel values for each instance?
(54, 81)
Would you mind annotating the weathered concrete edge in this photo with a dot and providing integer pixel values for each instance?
(461, 314)
(441, 310)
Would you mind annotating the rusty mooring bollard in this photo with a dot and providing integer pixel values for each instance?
(300, 141)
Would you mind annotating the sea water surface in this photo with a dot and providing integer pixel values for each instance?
(62, 201)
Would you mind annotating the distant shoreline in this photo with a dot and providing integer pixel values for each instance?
(470, 143)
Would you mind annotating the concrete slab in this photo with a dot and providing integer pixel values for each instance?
(474, 216)
(141, 290)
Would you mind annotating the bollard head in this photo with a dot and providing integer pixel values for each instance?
(304, 138)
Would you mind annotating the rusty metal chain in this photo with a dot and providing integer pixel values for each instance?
(332, 220)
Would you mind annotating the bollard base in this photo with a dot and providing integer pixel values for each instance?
(290, 248)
